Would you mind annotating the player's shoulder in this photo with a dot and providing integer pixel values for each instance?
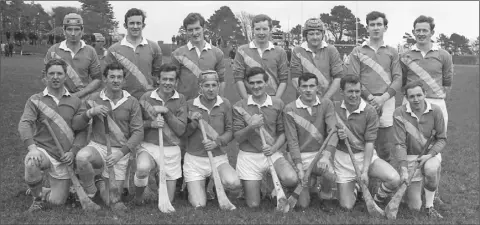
(54, 47)
(277, 101)
(399, 110)
(290, 106)
(146, 95)
(278, 48)
(36, 96)
(369, 109)
(226, 101)
(436, 108)
(240, 103)
(243, 47)
(180, 50)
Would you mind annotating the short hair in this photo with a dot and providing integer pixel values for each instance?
(192, 18)
(135, 12)
(375, 15)
(424, 19)
(255, 71)
(56, 62)
(260, 18)
(113, 66)
(412, 85)
(168, 67)
(307, 76)
(349, 78)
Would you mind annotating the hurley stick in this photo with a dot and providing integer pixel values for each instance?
(164, 204)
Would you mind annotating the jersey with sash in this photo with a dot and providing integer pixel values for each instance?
(124, 121)
(141, 64)
(325, 64)
(191, 65)
(361, 125)
(217, 123)
(67, 119)
(175, 119)
(272, 110)
(305, 131)
(435, 70)
(411, 133)
(379, 70)
(273, 61)
(82, 68)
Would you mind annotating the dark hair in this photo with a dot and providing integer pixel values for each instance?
(375, 15)
(255, 71)
(56, 62)
(424, 19)
(113, 66)
(135, 12)
(349, 78)
(260, 18)
(168, 67)
(192, 18)
(412, 85)
(307, 76)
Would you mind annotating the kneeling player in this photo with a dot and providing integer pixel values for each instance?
(413, 124)
(167, 109)
(216, 113)
(250, 114)
(126, 132)
(359, 122)
(67, 117)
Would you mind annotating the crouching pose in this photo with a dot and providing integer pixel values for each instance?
(260, 110)
(67, 117)
(167, 109)
(125, 125)
(215, 113)
(359, 122)
(413, 124)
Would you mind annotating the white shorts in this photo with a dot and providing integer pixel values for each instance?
(252, 166)
(57, 170)
(307, 158)
(386, 120)
(172, 158)
(197, 168)
(439, 102)
(120, 168)
(418, 176)
(344, 168)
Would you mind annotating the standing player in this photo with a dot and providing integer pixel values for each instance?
(161, 108)
(141, 58)
(67, 115)
(307, 123)
(100, 49)
(250, 114)
(261, 53)
(83, 68)
(317, 57)
(359, 122)
(126, 131)
(413, 124)
(217, 114)
(380, 73)
(430, 64)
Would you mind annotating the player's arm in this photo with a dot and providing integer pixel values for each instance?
(239, 69)
(220, 68)
(94, 70)
(192, 125)
(331, 122)
(292, 139)
(227, 135)
(241, 129)
(354, 68)
(26, 126)
(178, 120)
(147, 121)
(400, 141)
(135, 127)
(80, 119)
(282, 72)
(396, 71)
(336, 71)
(157, 61)
(296, 69)
(447, 74)
(440, 136)
(370, 136)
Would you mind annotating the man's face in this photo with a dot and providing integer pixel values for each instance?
(416, 98)
(167, 81)
(100, 43)
(134, 26)
(210, 89)
(422, 33)
(257, 85)
(55, 77)
(376, 29)
(195, 32)
(314, 37)
(73, 33)
(308, 90)
(351, 94)
(114, 80)
(261, 32)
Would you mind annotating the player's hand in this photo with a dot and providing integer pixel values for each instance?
(364, 178)
(98, 110)
(195, 116)
(301, 175)
(268, 150)
(424, 159)
(404, 176)
(256, 120)
(325, 165)
(34, 155)
(158, 123)
(160, 109)
(67, 158)
(209, 145)
(378, 102)
(342, 135)
(113, 158)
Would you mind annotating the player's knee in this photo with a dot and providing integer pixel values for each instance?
(233, 183)
(143, 170)
(33, 173)
(290, 179)
(393, 180)
(304, 203)
(82, 160)
(431, 169)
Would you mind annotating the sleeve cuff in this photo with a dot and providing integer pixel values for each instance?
(75, 149)
(391, 92)
(125, 150)
(297, 160)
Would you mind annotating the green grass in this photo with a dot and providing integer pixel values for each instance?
(459, 184)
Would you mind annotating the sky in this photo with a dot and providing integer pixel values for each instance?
(165, 17)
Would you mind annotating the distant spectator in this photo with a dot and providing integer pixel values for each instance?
(2, 45)
(10, 49)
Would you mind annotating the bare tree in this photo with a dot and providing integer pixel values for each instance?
(245, 19)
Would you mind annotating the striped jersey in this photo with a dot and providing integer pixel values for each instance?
(435, 69)
(141, 64)
(191, 64)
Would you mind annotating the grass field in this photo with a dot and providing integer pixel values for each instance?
(459, 184)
